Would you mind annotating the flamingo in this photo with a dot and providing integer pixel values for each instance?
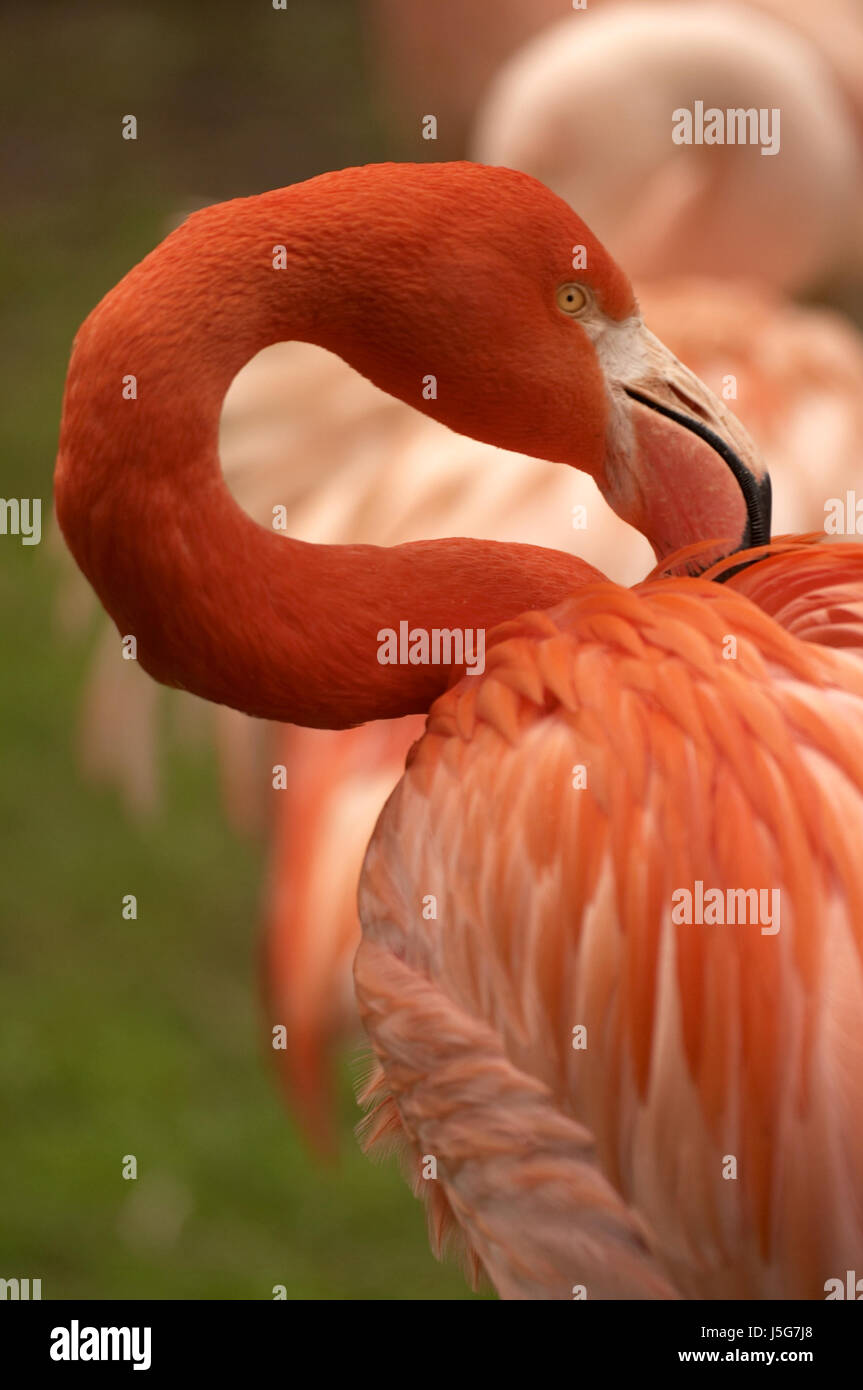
(798, 372)
(297, 415)
(504, 906)
(556, 110)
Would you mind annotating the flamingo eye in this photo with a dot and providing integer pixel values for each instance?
(571, 299)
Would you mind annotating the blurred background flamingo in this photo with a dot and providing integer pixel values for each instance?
(717, 246)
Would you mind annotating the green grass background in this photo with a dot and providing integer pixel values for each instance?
(143, 1037)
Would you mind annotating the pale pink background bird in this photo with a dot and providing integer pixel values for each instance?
(301, 430)
(587, 107)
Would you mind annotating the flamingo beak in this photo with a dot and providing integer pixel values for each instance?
(692, 472)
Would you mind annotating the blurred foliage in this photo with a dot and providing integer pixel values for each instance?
(143, 1037)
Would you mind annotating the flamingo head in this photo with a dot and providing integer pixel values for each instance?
(485, 301)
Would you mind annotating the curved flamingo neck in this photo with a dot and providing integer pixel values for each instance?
(219, 605)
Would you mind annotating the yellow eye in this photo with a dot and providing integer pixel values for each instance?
(571, 299)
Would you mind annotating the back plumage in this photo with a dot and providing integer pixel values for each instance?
(707, 1141)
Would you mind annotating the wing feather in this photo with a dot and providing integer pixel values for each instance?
(722, 1082)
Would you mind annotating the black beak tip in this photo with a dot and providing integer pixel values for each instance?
(759, 507)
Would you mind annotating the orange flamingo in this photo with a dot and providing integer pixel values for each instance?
(299, 428)
(747, 228)
(503, 907)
